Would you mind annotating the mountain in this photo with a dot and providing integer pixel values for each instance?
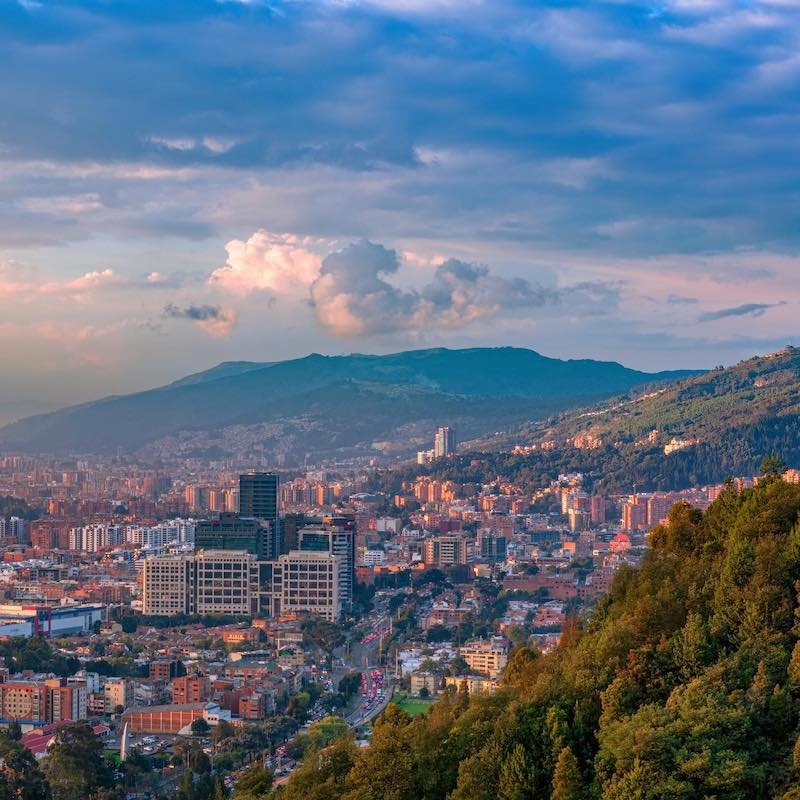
(723, 423)
(325, 405)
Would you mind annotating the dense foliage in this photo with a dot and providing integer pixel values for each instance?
(684, 685)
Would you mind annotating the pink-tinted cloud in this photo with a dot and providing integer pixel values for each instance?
(271, 262)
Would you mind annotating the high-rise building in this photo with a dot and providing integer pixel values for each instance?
(227, 531)
(444, 442)
(338, 539)
(658, 507)
(443, 551)
(634, 514)
(598, 509)
(258, 495)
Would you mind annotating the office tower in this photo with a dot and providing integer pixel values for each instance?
(259, 497)
(209, 582)
(337, 538)
(227, 531)
(444, 442)
(307, 582)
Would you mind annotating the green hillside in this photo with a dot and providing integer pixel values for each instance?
(683, 685)
(731, 418)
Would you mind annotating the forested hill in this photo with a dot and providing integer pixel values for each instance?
(684, 685)
(728, 419)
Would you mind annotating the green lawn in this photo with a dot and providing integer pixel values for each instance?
(412, 705)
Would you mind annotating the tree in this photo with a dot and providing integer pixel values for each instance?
(255, 782)
(517, 779)
(199, 762)
(458, 666)
(567, 781)
(323, 732)
(75, 767)
(14, 731)
(220, 792)
(773, 466)
(323, 634)
(222, 730)
(350, 683)
(200, 727)
(22, 778)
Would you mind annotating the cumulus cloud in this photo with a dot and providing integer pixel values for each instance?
(274, 262)
(352, 296)
(744, 310)
(217, 321)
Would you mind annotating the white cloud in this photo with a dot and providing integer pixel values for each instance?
(268, 262)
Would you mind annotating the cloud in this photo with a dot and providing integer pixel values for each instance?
(273, 262)
(744, 310)
(353, 297)
(216, 321)
(677, 300)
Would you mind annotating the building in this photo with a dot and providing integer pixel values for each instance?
(307, 582)
(492, 547)
(443, 551)
(474, 684)
(165, 586)
(49, 621)
(191, 689)
(173, 718)
(24, 701)
(444, 442)
(41, 702)
(338, 539)
(290, 526)
(225, 582)
(259, 498)
(208, 582)
(118, 693)
(658, 507)
(598, 509)
(166, 670)
(634, 514)
(487, 656)
(425, 680)
(227, 531)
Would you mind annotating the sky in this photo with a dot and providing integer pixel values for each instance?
(185, 183)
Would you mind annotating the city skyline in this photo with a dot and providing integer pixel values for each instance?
(253, 181)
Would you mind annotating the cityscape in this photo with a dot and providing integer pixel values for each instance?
(399, 400)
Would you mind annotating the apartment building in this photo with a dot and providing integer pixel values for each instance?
(486, 656)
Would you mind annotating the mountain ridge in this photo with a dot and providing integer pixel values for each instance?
(459, 383)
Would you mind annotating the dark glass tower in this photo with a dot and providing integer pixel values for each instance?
(259, 499)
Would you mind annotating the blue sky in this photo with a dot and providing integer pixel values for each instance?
(184, 183)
